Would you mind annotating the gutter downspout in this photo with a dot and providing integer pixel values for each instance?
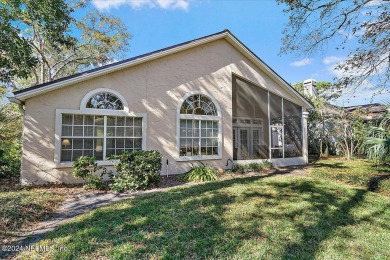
(19, 102)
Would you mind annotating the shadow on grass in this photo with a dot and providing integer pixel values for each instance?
(333, 165)
(212, 220)
(328, 221)
(373, 183)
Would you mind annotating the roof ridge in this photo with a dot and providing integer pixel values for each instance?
(117, 63)
(230, 37)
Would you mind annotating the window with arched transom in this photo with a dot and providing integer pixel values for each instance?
(103, 128)
(199, 123)
(105, 100)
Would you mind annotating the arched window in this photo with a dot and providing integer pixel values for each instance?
(198, 105)
(103, 128)
(199, 128)
(105, 100)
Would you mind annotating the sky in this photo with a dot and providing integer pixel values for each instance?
(157, 24)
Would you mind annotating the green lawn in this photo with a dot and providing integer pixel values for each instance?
(255, 217)
(359, 172)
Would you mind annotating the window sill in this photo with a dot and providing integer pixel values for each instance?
(198, 158)
(70, 164)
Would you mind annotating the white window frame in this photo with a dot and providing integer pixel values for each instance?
(198, 117)
(97, 112)
(89, 95)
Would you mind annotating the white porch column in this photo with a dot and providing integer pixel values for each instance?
(305, 143)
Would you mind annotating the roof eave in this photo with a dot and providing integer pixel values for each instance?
(89, 75)
(23, 96)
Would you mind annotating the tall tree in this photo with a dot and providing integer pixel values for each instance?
(332, 129)
(10, 136)
(16, 16)
(35, 56)
(348, 131)
(313, 24)
(320, 120)
(102, 39)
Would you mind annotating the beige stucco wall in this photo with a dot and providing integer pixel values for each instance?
(155, 88)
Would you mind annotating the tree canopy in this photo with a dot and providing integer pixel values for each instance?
(102, 39)
(42, 41)
(313, 24)
(16, 17)
(332, 129)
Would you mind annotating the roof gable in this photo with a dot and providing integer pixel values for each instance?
(24, 94)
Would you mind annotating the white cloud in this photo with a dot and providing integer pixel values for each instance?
(173, 4)
(375, 3)
(364, 94)
(137, 4)
(301, 63)
(381, 69)
(340, 73)
(332, 59)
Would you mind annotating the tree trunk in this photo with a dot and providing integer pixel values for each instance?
(326, 154)
(352, 148)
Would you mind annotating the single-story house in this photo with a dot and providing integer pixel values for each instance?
(210, 99)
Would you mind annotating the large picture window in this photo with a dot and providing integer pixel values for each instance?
(102, 128)
(199, 128)
(99, 136)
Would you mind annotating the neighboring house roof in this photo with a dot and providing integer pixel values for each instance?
(24, 94)
(372, 111)
(367, 111)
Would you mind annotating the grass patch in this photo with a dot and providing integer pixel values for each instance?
(23, 208)
(247, 218)
(359, 172)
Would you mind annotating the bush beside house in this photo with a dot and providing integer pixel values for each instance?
(134, 170)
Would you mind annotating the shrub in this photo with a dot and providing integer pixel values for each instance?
(201, 173)
(10, 161)
(256, 167)
(136, 170)
(267, 165)
(86, 169)
(241, 168)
